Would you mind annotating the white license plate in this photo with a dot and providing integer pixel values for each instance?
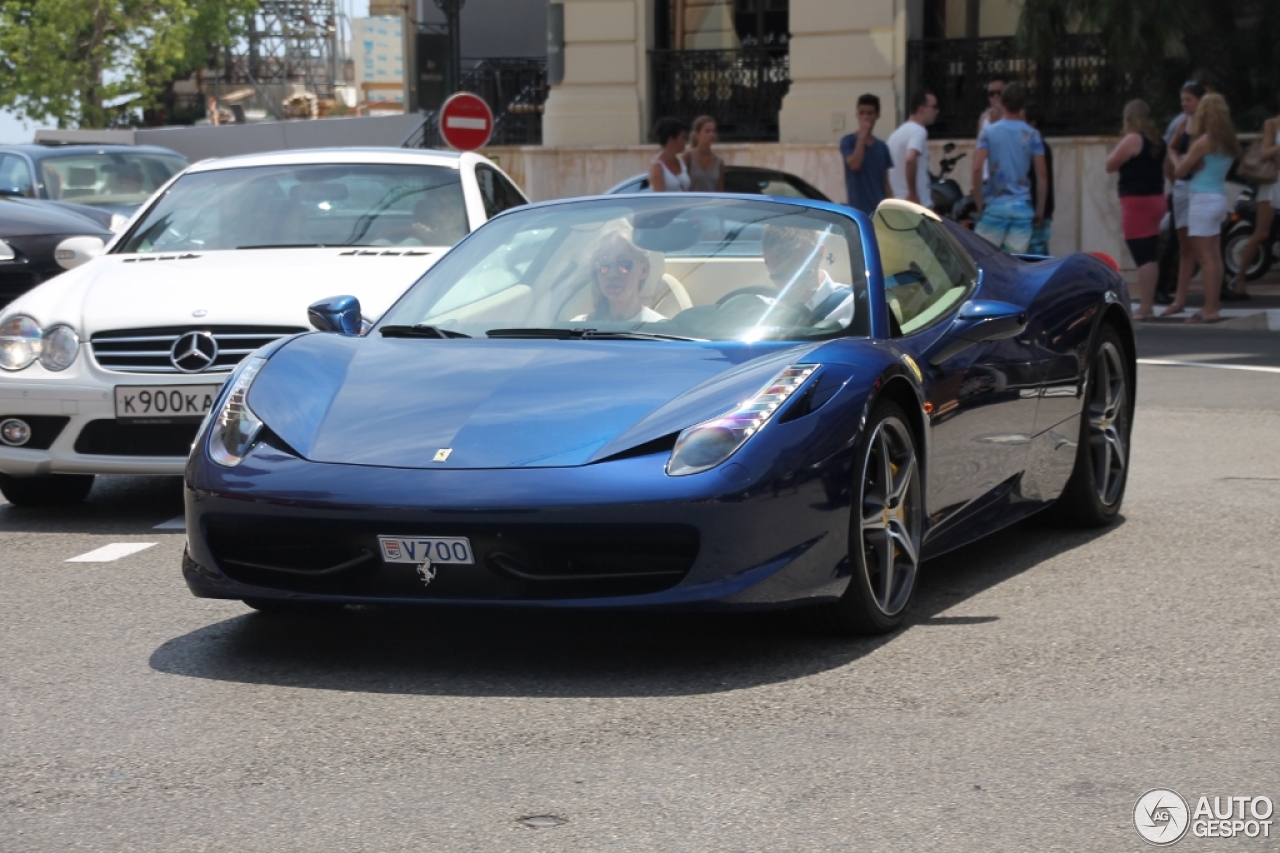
(430, 549)
(164, 403)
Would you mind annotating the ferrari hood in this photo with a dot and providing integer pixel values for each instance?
(405, 403)
(261, 287)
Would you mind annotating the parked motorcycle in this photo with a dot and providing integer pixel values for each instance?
(1240, 227)
(945, 191)
(948, 200)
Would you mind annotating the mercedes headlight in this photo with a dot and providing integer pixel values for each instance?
(59, 348)
(709, 443)
(20, 342)
(235, 428)
(6, 252)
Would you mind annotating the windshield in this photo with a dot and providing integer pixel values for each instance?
(99, 178)
(669, 266)
(316, 205)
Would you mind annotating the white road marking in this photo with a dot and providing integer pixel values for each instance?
(112, 552)
(1162, 362)
(179, 523)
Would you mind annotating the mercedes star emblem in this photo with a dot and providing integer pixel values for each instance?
(199, 312)
(194, 352)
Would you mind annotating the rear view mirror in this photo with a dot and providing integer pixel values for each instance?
(75, 251)
(339, 314)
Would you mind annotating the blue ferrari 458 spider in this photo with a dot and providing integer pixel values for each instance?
(669, 401)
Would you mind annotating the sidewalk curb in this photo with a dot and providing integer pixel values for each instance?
(1243, 319)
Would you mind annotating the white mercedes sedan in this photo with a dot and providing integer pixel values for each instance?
(109, 368)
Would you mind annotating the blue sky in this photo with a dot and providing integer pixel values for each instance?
(13, 129)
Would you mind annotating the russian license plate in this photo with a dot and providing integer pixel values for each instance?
(164, 404)
(429, 549)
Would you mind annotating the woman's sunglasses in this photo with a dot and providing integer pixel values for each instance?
(622, 264)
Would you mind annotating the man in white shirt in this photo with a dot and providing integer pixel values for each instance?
(792, 256)
(909, 150)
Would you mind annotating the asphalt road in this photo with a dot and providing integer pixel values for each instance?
(1047, 680)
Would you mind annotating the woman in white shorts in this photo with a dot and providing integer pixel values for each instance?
(1207, 162)
(1178, 140)
(1267, 200)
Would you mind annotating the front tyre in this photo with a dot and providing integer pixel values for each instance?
(885, 522)
(49, 490)
(1093, 494)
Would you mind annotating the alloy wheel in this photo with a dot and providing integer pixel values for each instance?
(1108, 414)
(890, 520)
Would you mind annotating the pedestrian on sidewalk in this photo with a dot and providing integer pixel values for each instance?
(1266, 201)
(866, 160)
(667, 172)
(1177, 138)
(706, 169)
(1012, 148)
(1139, 158)
(909, 150)
(1206, 163)
(1040, 233)
(994, 111)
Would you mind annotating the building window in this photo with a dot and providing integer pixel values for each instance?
(723, 58)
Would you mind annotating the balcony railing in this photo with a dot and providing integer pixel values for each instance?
(742, 89)
(515, 89)
(1077, 90)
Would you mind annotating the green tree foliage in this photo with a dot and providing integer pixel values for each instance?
(1227, 44)
(64, 59)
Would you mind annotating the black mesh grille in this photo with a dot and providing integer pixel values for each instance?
(149, 350)
(513, 562)
(112, 438)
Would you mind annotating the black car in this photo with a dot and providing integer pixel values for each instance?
(30, 233)
(748, 180)
(113, 178)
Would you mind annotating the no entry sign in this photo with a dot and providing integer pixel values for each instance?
(465, 122)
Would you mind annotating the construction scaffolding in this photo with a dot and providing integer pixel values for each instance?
(294, 57)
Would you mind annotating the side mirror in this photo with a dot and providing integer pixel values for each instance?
(339, 314)
(978, 321)
(75, 251)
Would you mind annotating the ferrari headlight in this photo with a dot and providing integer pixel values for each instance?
(6, 252)
(59, 348)
(20, 342)
(235, 428)
(709, 443)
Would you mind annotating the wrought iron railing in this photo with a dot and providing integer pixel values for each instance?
(742, 89)
(514, 88)
(1077, 90)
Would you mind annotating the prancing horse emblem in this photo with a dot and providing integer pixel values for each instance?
(427, 572)
(442, 455)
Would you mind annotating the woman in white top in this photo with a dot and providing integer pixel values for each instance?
(706, 169)
(1267, 200)
(667, 173)
(620, 270)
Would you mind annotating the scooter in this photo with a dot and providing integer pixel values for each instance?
(945, 191)
(1240, 227)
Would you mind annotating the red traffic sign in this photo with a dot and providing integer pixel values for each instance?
(466, 122)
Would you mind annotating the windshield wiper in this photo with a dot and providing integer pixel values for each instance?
(421, 330)
(583, 334)
(295, 246)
